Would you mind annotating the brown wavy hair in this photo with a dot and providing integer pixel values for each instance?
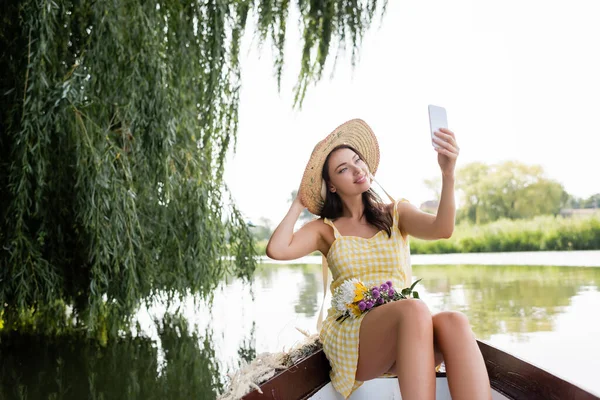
(374, 211)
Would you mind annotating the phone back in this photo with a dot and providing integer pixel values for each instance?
(437, 119)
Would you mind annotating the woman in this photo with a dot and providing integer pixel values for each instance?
(366, 239)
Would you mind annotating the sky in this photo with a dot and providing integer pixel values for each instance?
(519, 80)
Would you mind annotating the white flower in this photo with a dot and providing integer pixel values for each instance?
(344, 295)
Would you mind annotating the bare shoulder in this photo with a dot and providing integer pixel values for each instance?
(323, 233)
(315, 226)
(405, 207)
(405, 212)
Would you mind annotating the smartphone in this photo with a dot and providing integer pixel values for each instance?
(437, 119)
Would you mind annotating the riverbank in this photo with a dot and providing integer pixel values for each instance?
(542, 233)
(576, 258)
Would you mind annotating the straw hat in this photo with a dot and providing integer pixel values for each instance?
(354, 133)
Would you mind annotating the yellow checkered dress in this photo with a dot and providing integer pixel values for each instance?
(377, 259)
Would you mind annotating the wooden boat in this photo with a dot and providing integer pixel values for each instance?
(510, 378)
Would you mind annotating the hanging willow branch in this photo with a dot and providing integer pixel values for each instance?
(116, 118)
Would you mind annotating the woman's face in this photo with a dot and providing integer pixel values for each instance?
(347, 173)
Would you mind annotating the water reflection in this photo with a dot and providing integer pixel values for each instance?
(307, 299)
(509, 299)
(543, 314)
(498, 299)
(73, 367)
(545, 310)
(247, 349)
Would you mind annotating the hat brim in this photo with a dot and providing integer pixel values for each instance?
(354, 133)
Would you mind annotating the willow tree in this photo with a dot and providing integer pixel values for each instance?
(116, 118)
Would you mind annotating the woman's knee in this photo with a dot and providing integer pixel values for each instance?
(414, 311)
(451, 320)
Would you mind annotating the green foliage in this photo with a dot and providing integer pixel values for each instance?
(540, 233)
(591, 202)
(323, 23)
(116, 118)
(262, 230)
(261, 247)
(508, 190)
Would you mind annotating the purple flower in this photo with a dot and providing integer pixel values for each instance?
(380, 300)
(384, 287)
(391, 292)
(375, 293)
(389, 283)
(362, 305)
(369, 305)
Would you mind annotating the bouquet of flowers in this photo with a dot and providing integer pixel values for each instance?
(353, 298)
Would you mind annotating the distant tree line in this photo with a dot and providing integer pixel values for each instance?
(490, 192)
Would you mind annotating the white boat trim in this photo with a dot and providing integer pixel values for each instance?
(388, 389)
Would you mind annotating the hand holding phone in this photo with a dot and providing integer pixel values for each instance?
(437, 119)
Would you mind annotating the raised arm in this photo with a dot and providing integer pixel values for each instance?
(284, 244)
(427, 226)
(440, 226)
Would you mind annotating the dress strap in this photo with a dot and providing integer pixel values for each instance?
(325, 267)
(336, 233)
(396, 216)
(325, 280)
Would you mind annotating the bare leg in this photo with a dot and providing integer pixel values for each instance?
(465, 368)
(399, 335)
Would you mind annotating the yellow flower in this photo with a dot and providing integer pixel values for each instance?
(359, 291)
(355, 310)
(358, 296)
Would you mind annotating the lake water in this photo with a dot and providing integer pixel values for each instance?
(546, 315)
